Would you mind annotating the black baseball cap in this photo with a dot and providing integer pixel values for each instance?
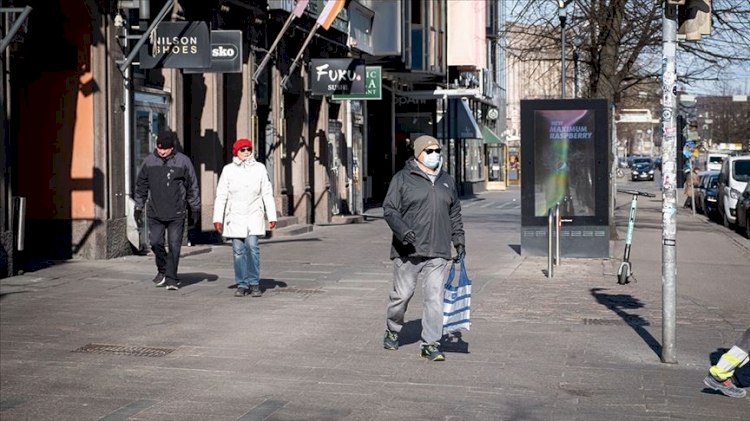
(166, 140)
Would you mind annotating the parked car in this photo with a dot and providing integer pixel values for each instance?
(714, 160)
(706, 192)
(733, 178)
(642, 169)
(743, 210)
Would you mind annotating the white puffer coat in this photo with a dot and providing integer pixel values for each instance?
(243, 193)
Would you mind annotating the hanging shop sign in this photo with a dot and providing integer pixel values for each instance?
(226, 53)
(329, 76)
(177, 45)
(373, 86)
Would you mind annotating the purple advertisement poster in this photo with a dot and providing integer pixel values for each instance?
(564, 164)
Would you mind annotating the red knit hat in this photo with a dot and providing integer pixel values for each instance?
(241, 143)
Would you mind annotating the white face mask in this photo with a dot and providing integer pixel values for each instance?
(432, 161)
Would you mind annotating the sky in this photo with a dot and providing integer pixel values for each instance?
(734, 80)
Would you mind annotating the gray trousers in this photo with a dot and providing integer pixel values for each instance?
(405, 274)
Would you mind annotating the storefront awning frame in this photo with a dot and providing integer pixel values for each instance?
(462, 125)
(490, 138)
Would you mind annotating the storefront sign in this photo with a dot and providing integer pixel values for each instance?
(177, 45)
(373, 86)
(226, 53)
(330, 76)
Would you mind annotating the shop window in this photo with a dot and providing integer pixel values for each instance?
(416, 12)
(473, 160)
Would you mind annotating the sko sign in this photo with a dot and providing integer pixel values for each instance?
(226, 53)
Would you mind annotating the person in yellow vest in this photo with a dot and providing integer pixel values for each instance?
(719, 376)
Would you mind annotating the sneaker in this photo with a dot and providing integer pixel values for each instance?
(255, 291)
(241, 292)
(172, 285)
(160, 280)
(390, 341)
(726, 387)
(432, 353)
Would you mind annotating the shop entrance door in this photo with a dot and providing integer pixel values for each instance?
(151, 116)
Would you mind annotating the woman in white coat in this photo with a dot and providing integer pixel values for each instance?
(243, 196)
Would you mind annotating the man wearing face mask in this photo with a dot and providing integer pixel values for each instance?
(424, 213)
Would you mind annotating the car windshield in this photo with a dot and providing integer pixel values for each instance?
(641, 161)
(742, 170)
(713, 181)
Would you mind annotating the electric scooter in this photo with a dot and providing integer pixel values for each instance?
(626, 270)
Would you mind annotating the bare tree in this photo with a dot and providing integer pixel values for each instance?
(621, 47)
(729, 120)
(622, 41)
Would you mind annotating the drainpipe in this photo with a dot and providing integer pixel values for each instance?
(349, 157)
(144, 12)
(162, 13)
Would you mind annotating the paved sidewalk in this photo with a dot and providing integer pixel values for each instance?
(578, 346)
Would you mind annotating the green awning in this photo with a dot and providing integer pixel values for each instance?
(489, 136)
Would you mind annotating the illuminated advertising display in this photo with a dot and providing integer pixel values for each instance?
(564, 150)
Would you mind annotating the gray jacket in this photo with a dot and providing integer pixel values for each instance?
(432, 211)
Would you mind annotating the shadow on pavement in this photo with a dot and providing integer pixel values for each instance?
(411, 332)
(33, 265)
(454, 342)
(4, 294)
(619, 303)
(266, 284)
(195, 277)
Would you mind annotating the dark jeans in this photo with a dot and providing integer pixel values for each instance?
(166, 263)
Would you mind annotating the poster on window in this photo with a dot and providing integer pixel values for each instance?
(565, 162)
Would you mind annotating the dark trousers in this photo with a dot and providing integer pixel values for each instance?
(166, 262)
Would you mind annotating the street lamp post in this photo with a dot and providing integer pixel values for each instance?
(577, 41)
(562, 15)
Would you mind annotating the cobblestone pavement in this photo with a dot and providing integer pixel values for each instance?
(89, 340)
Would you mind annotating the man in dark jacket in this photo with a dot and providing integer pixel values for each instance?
(424, 213)
(170, 179)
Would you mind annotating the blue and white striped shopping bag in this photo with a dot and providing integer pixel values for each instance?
(457, 301)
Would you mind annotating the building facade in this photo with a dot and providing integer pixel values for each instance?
(82, 109)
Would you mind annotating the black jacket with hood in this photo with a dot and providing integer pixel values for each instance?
(172, 185)
(431, 210)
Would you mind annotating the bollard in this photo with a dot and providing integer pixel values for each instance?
(550, 221)
(557, 234)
